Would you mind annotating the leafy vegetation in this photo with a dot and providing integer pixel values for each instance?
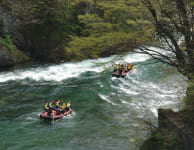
(173, 21)
(122, 23)
(92, 47)
(7, 42)
(80, 29)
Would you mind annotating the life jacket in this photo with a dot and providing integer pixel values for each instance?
(46, 106)
(58, 103)
(63, 106)
(69, 105)
(129, 66)
(51, 105)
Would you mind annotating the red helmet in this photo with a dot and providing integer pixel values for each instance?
(46, 103)
(52, 101)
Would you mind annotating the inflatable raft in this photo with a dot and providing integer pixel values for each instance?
(54, 115)
(122, 74)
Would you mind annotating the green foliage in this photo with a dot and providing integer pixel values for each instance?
(19, 56)
(191, 3)
(122, 25)
(100, 28)
(7, 42)
(80, 29)
(92, 47)
(89, 18)
(189, 99)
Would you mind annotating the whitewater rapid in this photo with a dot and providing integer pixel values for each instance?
(68, 70)
(111, 113)
(142, 91)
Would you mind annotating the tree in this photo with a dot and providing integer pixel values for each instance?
(174, 23)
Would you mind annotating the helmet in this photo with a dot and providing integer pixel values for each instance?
(52, 101)
(46, 103)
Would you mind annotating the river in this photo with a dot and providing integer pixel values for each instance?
(109, 113)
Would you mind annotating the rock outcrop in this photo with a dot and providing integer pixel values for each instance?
(6, 60)
(9, 25)
(171, 121)
(172, 133)
(9, 58)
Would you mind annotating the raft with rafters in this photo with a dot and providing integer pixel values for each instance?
(54, 115)
(118, 74)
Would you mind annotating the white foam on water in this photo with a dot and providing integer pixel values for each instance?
(56, 72)
(103, 97)
(68, 70)
(130, 85)
(128, 91)
(140, 57)
(134, 58)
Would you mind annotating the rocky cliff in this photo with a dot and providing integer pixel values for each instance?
(173, 133)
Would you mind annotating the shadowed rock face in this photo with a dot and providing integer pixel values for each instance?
(8, 25)
(6, 60)
(172, 121)
(172, 133)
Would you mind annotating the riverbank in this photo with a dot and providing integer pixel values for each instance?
(175, 130)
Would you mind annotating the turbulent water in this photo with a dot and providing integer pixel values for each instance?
(109, 113)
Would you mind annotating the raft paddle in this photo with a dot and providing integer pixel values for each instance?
(53, 120)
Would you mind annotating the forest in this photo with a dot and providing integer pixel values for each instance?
(54, 31)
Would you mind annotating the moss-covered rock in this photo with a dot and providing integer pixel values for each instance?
(9, 58)
(175, 131)
(6, 60)
(9, 53)
(19, 57)
(162, 139)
